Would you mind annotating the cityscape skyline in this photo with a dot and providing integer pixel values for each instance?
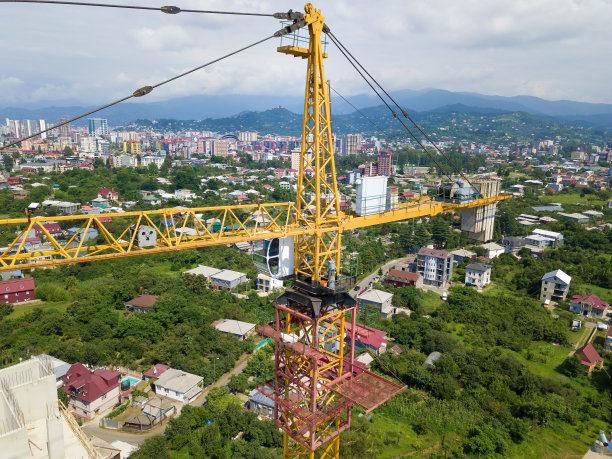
(508, 48)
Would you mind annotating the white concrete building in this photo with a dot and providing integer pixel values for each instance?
(29, 415)
(241, 330)
(228, 279)
(493, 250)
(202, 270)
(179, 385)
(555, 285)
(267, 284)
(478, 274)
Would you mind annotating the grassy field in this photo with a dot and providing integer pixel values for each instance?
(588, 200)
(603, 293)
(559, 440)
(20, 310)
(431, 302)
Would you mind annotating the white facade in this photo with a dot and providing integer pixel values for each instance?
(157, 160)
(29, 415)
(478, 274)
(493, 250)
(267, 284)
(179, 385)
(371, 195)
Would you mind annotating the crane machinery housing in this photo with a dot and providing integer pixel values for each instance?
(316, 380)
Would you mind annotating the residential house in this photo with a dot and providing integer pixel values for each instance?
(53, 228)
(108, 193)
(155, 371)
(239, 329)
(184, 194)
(178, 385)
(555, 285)
(608, 342)
(435, 266)
(580, 218)
(202, 270)
(493, 250)
(90, 392)
(101, 203)
(478, 274)
(401, 278)
(536, 240)
(589, 306)
(382, 301)
(553, 235)
(152, 200)
(369, 338)
(17, 290)
(142, 303)
(260, 401)
(589, 358)
(68, 207)
(460, 255)
(512, 244)
(267, 284)
(228, 279)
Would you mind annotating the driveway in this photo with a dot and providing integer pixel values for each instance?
(385, 269)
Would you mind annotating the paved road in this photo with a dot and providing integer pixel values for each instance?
(385, 269)
(92, 428)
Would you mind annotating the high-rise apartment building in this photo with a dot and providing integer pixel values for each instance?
(435, 266)
(220, 148)
(98, 126)
(295, 159)
(247, 136)
(384, 163)
(353, 144)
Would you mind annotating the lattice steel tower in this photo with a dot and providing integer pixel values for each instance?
(316, 381)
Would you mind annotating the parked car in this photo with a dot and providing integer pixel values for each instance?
(444, 296)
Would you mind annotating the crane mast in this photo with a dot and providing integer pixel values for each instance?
(316, 381)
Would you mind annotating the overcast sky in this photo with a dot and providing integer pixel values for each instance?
(554, 49)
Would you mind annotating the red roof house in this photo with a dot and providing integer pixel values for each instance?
(17, 290)
(589, 357)
(108, 193)
(155, 371)
(142, 303)
(53, 228)
(399, 278)
(368, 337)
(91, 392)
(589, 305)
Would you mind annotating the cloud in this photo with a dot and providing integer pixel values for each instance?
(546, 48)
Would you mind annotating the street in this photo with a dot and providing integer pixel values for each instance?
(385, 269)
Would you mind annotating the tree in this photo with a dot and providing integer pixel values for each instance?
(68, 151)
(63, 396)
(5, 310)
(572, 367)
(439, 232)
(421, 236)
(152, 448)
(7, 161)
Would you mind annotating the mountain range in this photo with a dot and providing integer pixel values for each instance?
(592, 115)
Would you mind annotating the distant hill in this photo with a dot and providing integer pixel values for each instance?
(206, 107)
(455, 121)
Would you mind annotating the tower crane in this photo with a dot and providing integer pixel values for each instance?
(316, 380)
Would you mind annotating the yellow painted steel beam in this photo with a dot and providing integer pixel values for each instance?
(416, 209)
(241, 223)
(248, 222)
